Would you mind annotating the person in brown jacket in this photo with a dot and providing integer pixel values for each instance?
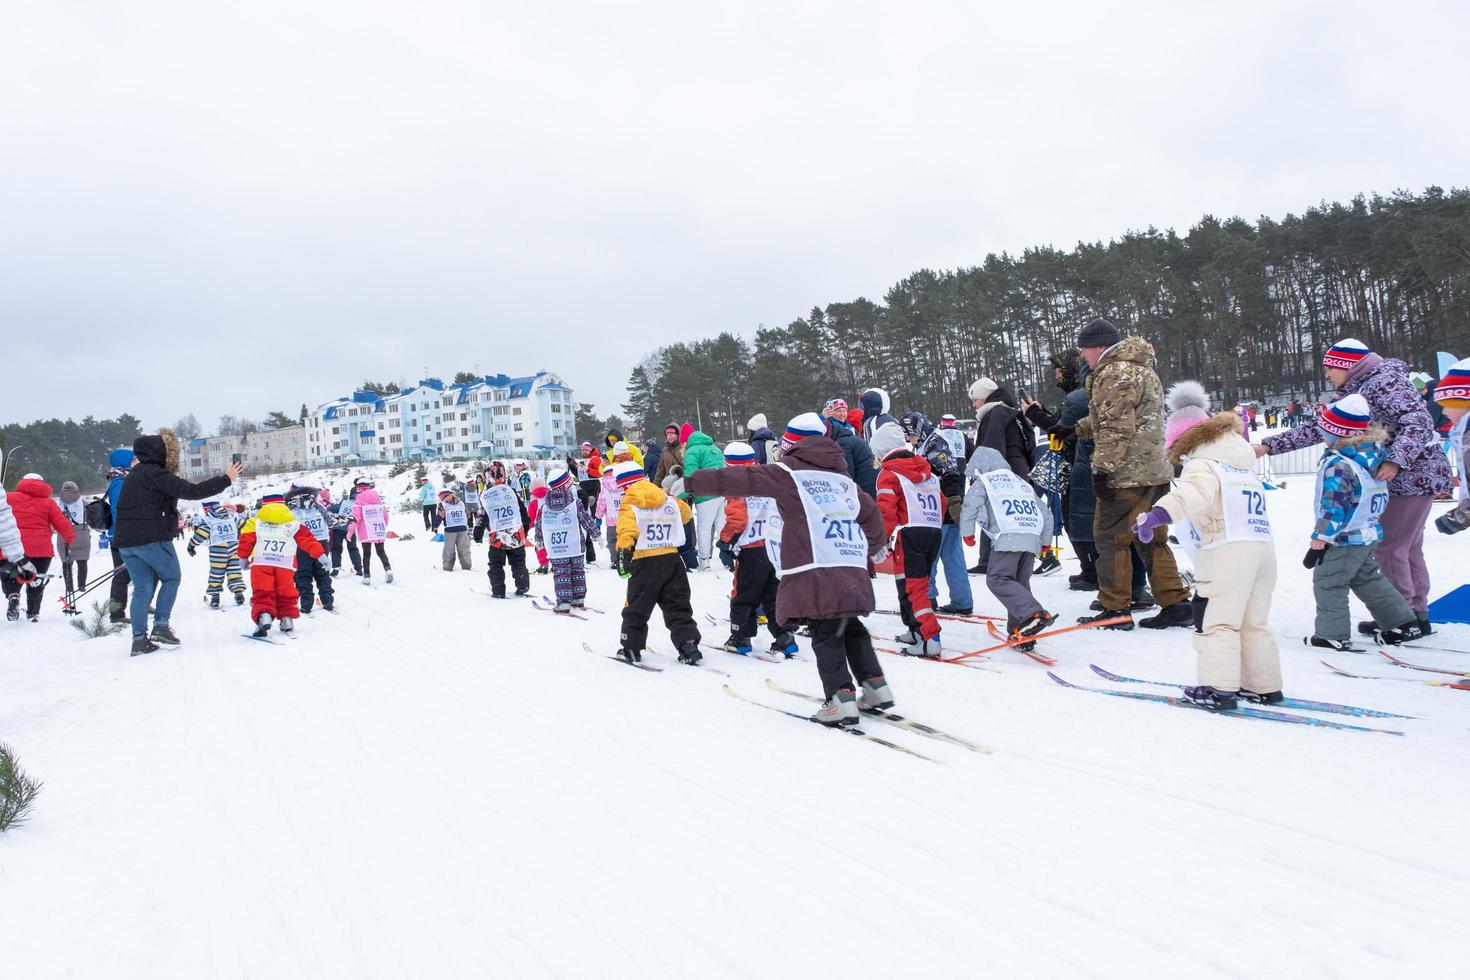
(672, 455)
(822, 536)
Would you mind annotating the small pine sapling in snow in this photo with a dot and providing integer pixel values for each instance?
(98, 624)
(17, 790)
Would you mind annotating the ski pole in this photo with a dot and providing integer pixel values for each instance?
(70, 598)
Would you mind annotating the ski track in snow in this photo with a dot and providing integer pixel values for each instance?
(434, 784)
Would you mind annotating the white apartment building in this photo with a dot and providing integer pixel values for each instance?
(272, 450)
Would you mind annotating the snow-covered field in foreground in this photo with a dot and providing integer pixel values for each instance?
(436, 784)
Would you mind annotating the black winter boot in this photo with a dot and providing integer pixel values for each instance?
(1179, 614)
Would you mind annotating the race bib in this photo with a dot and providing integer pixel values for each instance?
(501, 509)
(314, 521)
(1244, 500)
(1372, 501)
(956, 442)
(1014, 503)
(758, 512)
(830, 504)
(614, 498)
(925, 502)
(454, 517)
(223, 531)
(1189, 538)
(561, 531)
(275, 544)
(374, 524)
(661, 528)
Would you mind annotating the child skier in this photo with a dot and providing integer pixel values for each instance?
(748, 522)
(1452, 394)
(220, 526)
(370, 520)
(314, 517)
(610, 499)
(507, 524)
(1350, 501)
(650, 530)
(562, 522)
(590, 467)
(342, 527)
(1220, 496)
(829, 530)
(270, 541)
(534, 500)
(913, 507)
(1017, 522)
(455, 514)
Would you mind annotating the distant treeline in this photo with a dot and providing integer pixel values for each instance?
(65, 450)
(1246, 308)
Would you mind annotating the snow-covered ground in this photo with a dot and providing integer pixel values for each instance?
(437, 784)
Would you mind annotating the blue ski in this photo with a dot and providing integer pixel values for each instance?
(1298, 703)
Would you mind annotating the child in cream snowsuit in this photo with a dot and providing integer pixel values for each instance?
(1222, 500)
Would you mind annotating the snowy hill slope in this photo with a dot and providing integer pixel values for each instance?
(438, 784)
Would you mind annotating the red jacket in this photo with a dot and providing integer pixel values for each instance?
(37, 515)
(892, 503)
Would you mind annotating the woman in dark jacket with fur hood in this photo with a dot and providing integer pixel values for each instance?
(147, 521)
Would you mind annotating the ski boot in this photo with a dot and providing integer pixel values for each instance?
(163, 633)
(785, 644)
(1127, 623)
(927, 649)
(1179, 614)
(565, 608)
(1251, 697)
(876, 696)
(142, 645)
(263, 624)
(1401, 634)
(839, 710)
(1341, 646)
(738, 644)
(907, 637)
(335, 570)
(287, 625)
(367, 579)
(1425, 626)
(689, 652)
(239, 598)
(214, 600)
(1210, 697)
(629, 655)
(388, 575)
(1036, 623)
(33, 617)
(522, 593)
(950, 609)
(12, 609)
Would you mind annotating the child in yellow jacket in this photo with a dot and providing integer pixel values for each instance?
(650, 533)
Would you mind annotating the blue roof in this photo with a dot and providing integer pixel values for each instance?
(196, 443)
(331, 413)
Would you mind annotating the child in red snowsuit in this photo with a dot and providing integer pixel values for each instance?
(269, 541)
(913, 507)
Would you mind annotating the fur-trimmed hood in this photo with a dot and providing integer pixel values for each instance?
(162, 450)
(1200, 442)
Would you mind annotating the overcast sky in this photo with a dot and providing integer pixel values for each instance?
(233, 208)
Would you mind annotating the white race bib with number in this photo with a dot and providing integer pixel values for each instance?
(275, 544)
(661, 528)
(1244, 500)
(1371, 502)
(501, 508)
(223, 531)
(561, 531)
(454, 516)
(758, 513)
(614, 503)
(1014, 503)
(830, 502)
(314, 521)
(374, 524)
(1189, 538)
(956, 441)
(924, 502)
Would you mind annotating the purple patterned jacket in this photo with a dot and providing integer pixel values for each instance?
(1399, 409)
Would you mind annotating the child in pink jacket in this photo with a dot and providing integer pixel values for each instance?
(370, 522)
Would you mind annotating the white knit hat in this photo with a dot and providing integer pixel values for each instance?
(887, 438)
(982, 389)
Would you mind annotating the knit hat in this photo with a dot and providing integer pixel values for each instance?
(1348, 416)
(886, 439)
(837, 404)
(627, 473)
(739, 454)
(1188, 406)
(561, 478)
(946, 421)
(586, 445)
(423, 479)
(672, 427)
(1453, 390)
(272, 497)
(982, 389)
(363, 483)
(1098, 333)
(804, 425)
(620, 448)
(757, 422)
(33, 476)
(1345, 354)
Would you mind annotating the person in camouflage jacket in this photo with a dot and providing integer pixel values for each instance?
(1130, 472)
(1416, 467)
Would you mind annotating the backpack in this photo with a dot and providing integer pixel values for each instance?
(98, 514)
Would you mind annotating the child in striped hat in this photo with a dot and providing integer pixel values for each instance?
(1452, 393)
(270, 541)
(1350, 502)
(562, 527)
(651, 529)
(748, 522)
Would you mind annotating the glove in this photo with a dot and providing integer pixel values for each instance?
(970, 541)
(1144, 528)
(1062, 431)
(882, 554)
(23, 571)
(321, 562)
(625, 562)
(1101, 489)
(190, 550)
(1448, 526)
(1314, 557)
(727, 557)
(7, 568)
